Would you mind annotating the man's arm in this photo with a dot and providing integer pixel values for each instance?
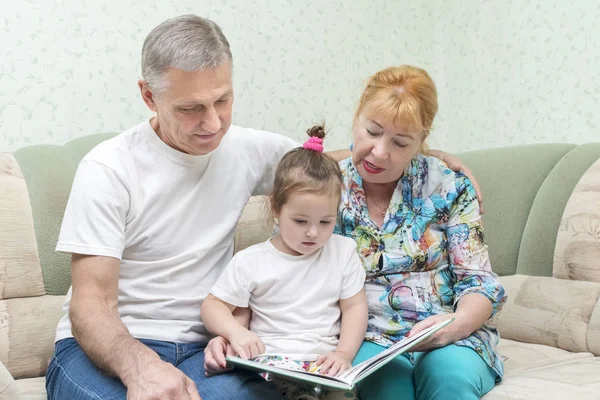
(456, 165)
(97, 327)
(339, 155)
(95, 317)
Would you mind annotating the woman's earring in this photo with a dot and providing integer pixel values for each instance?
(276, 220)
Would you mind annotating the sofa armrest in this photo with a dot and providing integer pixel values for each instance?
(8, 386)
(549, 311)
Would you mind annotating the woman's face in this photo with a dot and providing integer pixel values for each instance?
(382, 151)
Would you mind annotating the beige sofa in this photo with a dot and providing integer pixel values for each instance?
(542, 220)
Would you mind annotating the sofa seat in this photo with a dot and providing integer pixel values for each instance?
(32, 388)
(535, 371)
(532, 371)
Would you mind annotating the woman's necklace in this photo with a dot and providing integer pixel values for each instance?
(383, 210)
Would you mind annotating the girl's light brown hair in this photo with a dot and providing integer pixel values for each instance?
(305, 171)
(405, 95)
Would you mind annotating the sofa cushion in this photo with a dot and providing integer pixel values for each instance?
(577, 252)
(572, 379)
(549, 311)
(253, 226)
(536, 251)
(535, 371)
(20, 271)
(593, 334)
(8, 386)
(520, 357)
(32, 388)
(27, 333)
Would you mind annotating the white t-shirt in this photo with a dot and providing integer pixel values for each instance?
(294, 299)
(169, 217)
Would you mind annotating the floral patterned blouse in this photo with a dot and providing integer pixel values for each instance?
(429, 252)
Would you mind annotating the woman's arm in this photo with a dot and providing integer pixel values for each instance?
(468, 253)
(478, 294)
(218, 318)
(472, 310)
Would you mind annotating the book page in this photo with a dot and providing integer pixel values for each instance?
(298, 376)
(348, 378)
(372, 364)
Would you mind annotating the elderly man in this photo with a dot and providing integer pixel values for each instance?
(150, 223)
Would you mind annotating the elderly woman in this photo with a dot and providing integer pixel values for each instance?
(420, 237)
(418, 228)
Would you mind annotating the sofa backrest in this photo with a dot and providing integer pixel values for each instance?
(49, 172)
(28, 317)
(525, 190)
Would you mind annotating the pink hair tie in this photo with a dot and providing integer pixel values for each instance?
(314, 143)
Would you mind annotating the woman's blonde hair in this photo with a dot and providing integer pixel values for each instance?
(405, 95)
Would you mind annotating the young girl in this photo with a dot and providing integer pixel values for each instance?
(299, 283)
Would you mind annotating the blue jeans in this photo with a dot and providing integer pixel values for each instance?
(450, 373)
(71, 375)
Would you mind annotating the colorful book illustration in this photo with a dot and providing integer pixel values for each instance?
(347, 379)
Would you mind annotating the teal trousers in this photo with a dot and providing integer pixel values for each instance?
(450, 373)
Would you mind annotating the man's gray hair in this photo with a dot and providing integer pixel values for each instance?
(187, 42)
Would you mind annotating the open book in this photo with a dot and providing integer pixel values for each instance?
(349, 378)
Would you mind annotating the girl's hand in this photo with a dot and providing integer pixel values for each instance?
(449, 334)
(246, 344)
(333, 363)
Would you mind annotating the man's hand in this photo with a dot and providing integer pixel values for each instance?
(246, 343)
(214, 356)
(456, 165)
(160, 381)
(333, 363)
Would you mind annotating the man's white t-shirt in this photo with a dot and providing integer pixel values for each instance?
(169, 217)
(294, 299)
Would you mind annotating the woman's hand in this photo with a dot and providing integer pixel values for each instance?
(456, 165)
(333, 363)
(214, 356)
(449, 334)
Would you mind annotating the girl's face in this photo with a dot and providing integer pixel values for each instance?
(382, 151)
(306, 223)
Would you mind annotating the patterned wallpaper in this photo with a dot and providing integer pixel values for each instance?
(69, 68)
(508, 72)
(516, 71)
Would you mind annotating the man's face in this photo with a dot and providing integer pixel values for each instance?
(194, 110)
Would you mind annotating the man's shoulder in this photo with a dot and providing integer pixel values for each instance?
(239, 136)
(434, 165)
(115, 152)
(438, 178)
